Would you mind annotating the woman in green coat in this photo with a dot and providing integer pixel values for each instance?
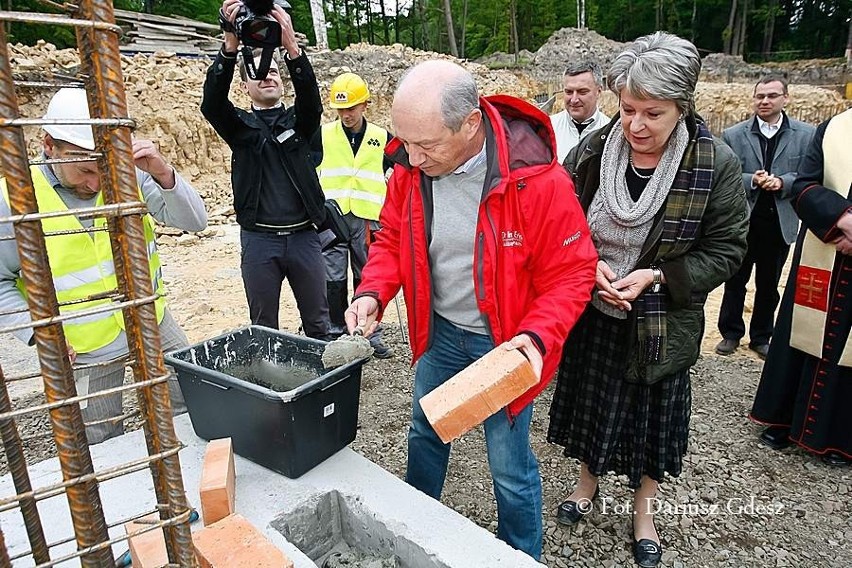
(668, 215)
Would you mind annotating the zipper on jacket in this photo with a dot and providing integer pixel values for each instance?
(480, 268)
(413, 273)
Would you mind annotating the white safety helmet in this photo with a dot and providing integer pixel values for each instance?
(70, 102)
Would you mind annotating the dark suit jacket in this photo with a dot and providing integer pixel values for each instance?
(789, 151)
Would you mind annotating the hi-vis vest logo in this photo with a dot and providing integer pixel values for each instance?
(341, 97)
(571, 239)
(374, 142)
(512, 238)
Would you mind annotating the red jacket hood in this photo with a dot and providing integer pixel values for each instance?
(522, 131)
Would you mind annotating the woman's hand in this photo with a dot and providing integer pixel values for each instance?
(606, 290)
(634, 283)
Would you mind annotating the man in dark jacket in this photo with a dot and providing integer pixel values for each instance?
(769, 146)
(483, 232)
(277, 196)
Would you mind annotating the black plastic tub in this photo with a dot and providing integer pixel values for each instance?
(268, 391)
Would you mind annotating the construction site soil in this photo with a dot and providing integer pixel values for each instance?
(736, 504)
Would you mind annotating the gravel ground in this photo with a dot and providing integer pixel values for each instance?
(736, 504)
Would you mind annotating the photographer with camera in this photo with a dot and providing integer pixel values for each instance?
(277, 195)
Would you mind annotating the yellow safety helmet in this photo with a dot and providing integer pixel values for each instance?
(347, 91)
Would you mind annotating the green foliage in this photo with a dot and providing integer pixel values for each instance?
(202, 10)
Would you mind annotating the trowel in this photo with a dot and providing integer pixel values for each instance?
(346, 349)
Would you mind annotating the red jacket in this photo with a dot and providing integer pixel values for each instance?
(534, 261)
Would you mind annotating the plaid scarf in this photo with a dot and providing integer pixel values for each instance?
(687, 200)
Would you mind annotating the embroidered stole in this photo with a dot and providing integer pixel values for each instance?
(812, 298)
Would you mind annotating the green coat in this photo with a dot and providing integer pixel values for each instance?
(713, 258)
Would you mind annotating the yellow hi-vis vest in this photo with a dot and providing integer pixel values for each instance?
(82, 266)
(356, 183)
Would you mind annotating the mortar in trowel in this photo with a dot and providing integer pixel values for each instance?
(345, 349)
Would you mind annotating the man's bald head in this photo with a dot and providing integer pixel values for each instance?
(438, 89)
(436, 114)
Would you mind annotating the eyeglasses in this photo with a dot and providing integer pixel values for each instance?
(770, 96)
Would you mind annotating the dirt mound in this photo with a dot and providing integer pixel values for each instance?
(164, 95)
(825, 72)
(571, 44)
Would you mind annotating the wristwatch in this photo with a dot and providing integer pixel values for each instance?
(658, 279)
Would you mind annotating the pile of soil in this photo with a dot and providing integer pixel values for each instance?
(164, 96)
(572, 44)
(830, 73)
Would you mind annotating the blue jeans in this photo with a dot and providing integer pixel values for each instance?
(514, 469)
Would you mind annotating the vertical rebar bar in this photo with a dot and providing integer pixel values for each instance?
(20, 476)
(74, 458)
(101, 62)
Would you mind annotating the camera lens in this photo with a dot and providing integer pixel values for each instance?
(259, 30)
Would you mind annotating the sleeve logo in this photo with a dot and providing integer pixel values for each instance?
(571, 239)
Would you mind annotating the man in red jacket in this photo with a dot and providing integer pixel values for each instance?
(483, 232)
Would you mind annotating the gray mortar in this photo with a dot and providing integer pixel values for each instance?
(346, 349)
(338, 531)
(274, 376)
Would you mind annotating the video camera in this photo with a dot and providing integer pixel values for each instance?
(256, 27)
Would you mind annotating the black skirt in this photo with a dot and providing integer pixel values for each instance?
(612, 425)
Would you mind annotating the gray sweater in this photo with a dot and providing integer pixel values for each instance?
(456, 197)
(180, 207)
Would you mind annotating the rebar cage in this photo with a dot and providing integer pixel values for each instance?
(100, 72)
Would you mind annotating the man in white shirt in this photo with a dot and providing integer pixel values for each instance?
(582, 85)
(769, 146)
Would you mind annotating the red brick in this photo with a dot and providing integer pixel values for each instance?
(477, 392)
(233, 542)
(147, 550)
(217, 481)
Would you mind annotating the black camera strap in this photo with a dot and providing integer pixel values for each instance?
(258, 71)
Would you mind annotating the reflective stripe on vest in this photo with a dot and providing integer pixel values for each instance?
(82, 265)
(356, 183)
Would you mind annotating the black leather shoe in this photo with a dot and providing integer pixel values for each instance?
(727, 346)
(647, 553)
(762, 350)
(776, 437)
(836, 459)
(570, 513)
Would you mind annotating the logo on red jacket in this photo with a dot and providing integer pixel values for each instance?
(571, 239)
(512, 238)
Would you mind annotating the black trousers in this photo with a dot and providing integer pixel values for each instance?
(767, 252)
(269, 258)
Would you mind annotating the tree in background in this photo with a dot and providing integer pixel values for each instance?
(755, 29)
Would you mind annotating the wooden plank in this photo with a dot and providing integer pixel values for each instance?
(184, 49)
(140, 17)
(174, 30)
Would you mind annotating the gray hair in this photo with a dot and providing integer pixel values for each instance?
(580, 67)
(658, 66)
(772, 78)
(459, 98)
